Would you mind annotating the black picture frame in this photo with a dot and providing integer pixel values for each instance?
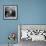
(10, 12)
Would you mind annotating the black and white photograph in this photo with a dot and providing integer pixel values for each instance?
(10, 12)
(33, 32)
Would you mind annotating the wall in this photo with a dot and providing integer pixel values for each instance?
(29, 12)
(7, 26)
(33, 12)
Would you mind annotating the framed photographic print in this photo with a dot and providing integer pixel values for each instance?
(33, 32)
(10, 12)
